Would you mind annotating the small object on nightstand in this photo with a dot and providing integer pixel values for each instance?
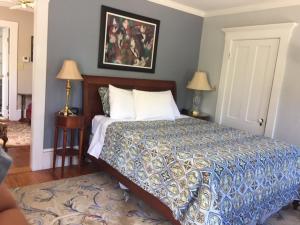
(75, 110)
(70, 123)
(197, 115)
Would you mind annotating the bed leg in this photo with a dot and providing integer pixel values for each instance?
(296, 204)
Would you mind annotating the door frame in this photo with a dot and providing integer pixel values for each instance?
(39, 83)
(14, 113)
(5, 71)
(283, 32)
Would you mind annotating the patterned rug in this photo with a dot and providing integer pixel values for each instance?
(19, 134)
(97, 199)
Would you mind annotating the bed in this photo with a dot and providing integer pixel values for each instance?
(235, 177)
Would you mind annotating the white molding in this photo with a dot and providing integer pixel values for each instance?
(226, 11)
(14, 114)
(266, 28)
(39, 83)
(5, 70)
(47, 159)
(252, 8)
(180, 7)
(281, 31)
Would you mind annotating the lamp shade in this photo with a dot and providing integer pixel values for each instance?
(69, 71)
(199, 82)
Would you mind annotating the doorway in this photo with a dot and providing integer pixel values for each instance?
(9, 69)
(4, 70)
(251, 78)
(16, 79)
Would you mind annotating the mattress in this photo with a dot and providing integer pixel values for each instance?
(205, 173)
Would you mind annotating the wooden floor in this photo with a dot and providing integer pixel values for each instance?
(28, 178)
(21, 159)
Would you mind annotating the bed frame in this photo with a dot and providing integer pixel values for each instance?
(92, 106)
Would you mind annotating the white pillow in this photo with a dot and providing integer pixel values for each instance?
(153, 105)
(121, 103)
(174, 106)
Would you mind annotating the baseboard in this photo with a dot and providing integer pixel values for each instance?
(15, 115)
(47, 160)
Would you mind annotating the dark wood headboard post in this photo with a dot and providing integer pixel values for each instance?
(91, 100)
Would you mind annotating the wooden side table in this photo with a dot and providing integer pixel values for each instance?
(201, 115)
(3, 134)
(68, 123)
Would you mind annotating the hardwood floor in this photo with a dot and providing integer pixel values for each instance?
(28, 178)
(21, 159)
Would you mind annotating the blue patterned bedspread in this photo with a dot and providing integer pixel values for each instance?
(205, 173)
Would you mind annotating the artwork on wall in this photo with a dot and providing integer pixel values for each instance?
(127, 41)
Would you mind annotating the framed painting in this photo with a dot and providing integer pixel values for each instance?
(127, 41)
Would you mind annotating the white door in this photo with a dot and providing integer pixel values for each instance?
(248, 88)
(5, 71)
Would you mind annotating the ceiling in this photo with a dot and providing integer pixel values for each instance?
(207, 8)
(10, 4)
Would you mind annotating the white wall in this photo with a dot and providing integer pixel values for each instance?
(210, 60)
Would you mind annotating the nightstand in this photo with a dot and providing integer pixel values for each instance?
(202, 116)
(68, 123)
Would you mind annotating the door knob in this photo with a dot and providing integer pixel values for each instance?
(261, 121)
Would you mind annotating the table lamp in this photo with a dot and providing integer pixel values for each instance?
(198, 83)
(68, 72)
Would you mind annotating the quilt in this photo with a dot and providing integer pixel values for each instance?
(204, 172)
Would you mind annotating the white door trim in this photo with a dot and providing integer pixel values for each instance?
(39, 82)
(5, 71)
(281, 31)
(14, 113)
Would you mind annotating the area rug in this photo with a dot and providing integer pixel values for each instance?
(87, 200)
(97, 199)
(19, 134)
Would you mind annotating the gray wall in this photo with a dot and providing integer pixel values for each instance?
(210, 60)
(74, 33)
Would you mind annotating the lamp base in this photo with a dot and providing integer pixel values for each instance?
(66, 111)
(196, 103)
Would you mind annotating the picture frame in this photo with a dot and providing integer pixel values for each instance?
(127, 41)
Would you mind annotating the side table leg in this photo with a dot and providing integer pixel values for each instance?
(55, 147)
(296, 204)
(80, 147)
(5, 139)
(72, 146)
(64, 152)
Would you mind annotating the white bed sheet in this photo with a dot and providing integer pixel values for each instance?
(99, 126)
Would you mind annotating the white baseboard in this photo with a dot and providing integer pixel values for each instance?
(15, 115)
(47, 160)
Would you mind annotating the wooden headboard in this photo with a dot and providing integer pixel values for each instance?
(91, 100)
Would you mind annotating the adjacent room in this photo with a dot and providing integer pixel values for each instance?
(16, 41)
(150, 112)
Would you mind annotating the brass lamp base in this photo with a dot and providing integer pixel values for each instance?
(66, 111)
